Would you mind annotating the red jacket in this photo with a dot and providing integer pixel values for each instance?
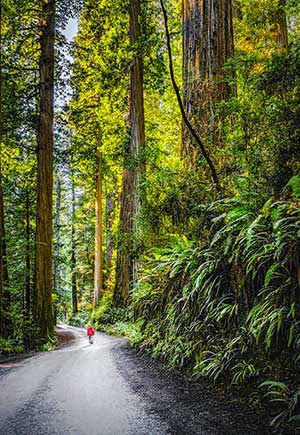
(90, 331)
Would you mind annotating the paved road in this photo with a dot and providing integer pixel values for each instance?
(103, 389)
(75, 390)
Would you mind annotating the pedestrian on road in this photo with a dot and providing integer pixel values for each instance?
(90, 333)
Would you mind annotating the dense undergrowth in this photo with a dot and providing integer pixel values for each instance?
(226, 306)
(19, 345)
(114, 320)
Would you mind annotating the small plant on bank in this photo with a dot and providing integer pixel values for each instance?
(288, 398)
(50, 345)
(7, 346)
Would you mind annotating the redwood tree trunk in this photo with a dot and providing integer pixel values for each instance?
(3, 268)
(133, 172)
(98, 268)
(124, 266)
(4, 292)
(282, 29)
(108, 226)
(42, 298)
(207, 44)
(2, 308)
(56, 279)
(28, 256)
(4, 282)
(136, 115)
(73, 255)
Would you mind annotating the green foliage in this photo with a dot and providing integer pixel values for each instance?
(114, 320)
(50, 344)
(82, 319)
(289, 399)
(261, 130)
(9, 346)
(218, 286)
(122, 329)
(294, 185)
(217, 305)
(107, 314)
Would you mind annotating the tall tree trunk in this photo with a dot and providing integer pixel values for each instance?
(42, 296)
(28, 263)
(28, 256)
(108, 226)
(3, 282)
(134, 172)
(183, 112)
(56, 279)
(4, 292)
(282, 29)
(73, 255)
(98, 268)
(124, 266)
(2, 307)
(137, 117)
(207, 44)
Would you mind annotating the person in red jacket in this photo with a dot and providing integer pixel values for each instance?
(90, 333)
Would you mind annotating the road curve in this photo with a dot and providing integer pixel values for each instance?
(101, 389)
(75, 390)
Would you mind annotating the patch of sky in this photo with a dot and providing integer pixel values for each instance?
(71, 29)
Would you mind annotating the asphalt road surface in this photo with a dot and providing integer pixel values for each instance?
(106, 389)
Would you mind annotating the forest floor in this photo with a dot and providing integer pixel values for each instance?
(64, 336)
(108, 389)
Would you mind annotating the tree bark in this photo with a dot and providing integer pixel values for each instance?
(108, 226)
(282, 29)
(4, 281)
(134, 166)
(98, 267)
(42, 296)
(207, 44)
(56, 245)
(3, 278)
(28, 257)
(185, 118)
(136, 115)
(124, 265)
(73, 255)
(4, 292)
(2, 305)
